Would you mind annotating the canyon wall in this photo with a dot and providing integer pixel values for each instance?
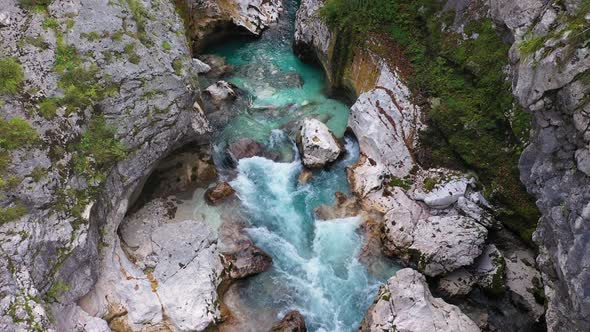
(549, 61)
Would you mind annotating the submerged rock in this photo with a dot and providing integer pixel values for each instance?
(304, 177)
(219, 193)
(344, 207)
(405, 304)
(292, 322)
(217, 65)
(221, 92)
(318, 145)
(245, 148)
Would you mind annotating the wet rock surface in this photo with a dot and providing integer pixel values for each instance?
(220, 192)
(292, 322)
(241, 257)
(245, 148)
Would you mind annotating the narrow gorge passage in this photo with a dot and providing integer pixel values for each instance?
(315, 269)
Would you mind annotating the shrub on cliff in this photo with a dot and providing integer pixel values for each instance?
(11, 75)
(474, 121)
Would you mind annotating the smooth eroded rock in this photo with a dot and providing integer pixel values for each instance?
(318, 145)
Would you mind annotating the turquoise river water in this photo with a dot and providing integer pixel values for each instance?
(315, 266)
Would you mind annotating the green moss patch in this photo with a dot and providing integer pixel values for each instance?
(475, 122)
(11, 75)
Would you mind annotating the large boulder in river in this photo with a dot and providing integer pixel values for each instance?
(318, 145)
(245, 148)
(241, 257)
(221, 92)
(405, 304)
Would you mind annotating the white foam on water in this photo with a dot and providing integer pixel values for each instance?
(316, 260)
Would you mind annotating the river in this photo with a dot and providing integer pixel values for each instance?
(315, 269)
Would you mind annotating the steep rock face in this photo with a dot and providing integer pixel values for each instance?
(68, 234)
(549, 81)
(211, 20)
(386, 123)
(405, 303)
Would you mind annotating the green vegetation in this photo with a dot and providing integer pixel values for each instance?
(50, 23)
(11, 75)
(98, 149)
(576, 26)
(475, 122)
(177, 66)
(35, 4)
(132, 56)
(11, 213)
(38, 174)
(58, 288)
(166, 46)
(91, 36)
(404, 183)
(430, 183)
(141, 17)
(80, 84)
(16, 133)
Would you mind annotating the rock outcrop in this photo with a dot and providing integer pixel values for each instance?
(165, 273)
(212, 20)
(405, 303)
(318, 145)
(549, 82)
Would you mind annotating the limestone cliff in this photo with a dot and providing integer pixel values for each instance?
(104, 83)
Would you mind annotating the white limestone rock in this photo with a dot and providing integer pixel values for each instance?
(457, 283)
(405, 304)
(447, 243)
(318, 145)
(221, 91)
(165, 272)
(436, 244)
(201, 67)
(446, 194)
(385, 122)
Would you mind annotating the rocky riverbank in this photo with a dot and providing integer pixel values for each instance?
(424, 209)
